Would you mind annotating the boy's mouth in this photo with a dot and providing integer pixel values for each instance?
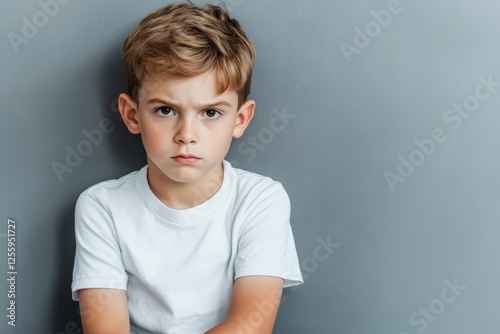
(186, 159)
(186, 156)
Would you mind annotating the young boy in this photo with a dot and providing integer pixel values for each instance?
(187, 244)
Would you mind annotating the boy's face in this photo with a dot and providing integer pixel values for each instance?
(185, 117)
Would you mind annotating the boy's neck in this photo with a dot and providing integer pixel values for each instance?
(180, 196)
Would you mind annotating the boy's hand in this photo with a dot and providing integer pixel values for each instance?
(254, 305)
(104, 311)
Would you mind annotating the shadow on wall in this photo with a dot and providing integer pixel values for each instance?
(127, 155)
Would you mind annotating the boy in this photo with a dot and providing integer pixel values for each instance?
(187, 244)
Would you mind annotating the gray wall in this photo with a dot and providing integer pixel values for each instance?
(380, 155)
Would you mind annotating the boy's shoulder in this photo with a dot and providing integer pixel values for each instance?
(256, 185)
(113, 187)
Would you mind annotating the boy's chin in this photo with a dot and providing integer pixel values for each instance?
(176, 177)
(180, 173)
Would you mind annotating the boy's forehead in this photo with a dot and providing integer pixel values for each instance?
(199, 87)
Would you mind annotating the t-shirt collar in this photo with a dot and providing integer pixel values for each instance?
(188, 216)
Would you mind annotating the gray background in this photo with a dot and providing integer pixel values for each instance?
(354, 117)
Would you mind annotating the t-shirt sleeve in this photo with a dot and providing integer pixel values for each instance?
(98, 259)
(266, 245)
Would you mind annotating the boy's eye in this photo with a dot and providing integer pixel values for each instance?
(213, 114)
(164, 111)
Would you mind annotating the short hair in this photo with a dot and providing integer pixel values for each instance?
(182, 41)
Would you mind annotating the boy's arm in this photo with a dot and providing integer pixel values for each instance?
(104, 311)
(254, 305)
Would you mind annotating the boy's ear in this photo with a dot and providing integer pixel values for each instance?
(129, 112)
(243, 118)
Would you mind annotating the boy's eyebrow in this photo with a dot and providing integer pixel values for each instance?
(220, 103)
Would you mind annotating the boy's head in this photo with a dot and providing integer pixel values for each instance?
(183, 40)
(189, 72)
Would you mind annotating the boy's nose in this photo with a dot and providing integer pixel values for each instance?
(185, 132)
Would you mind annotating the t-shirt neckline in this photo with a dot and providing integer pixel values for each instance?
(188, 216)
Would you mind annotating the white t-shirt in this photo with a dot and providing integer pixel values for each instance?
(179, 266)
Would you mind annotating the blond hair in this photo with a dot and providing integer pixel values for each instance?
(183, 40)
